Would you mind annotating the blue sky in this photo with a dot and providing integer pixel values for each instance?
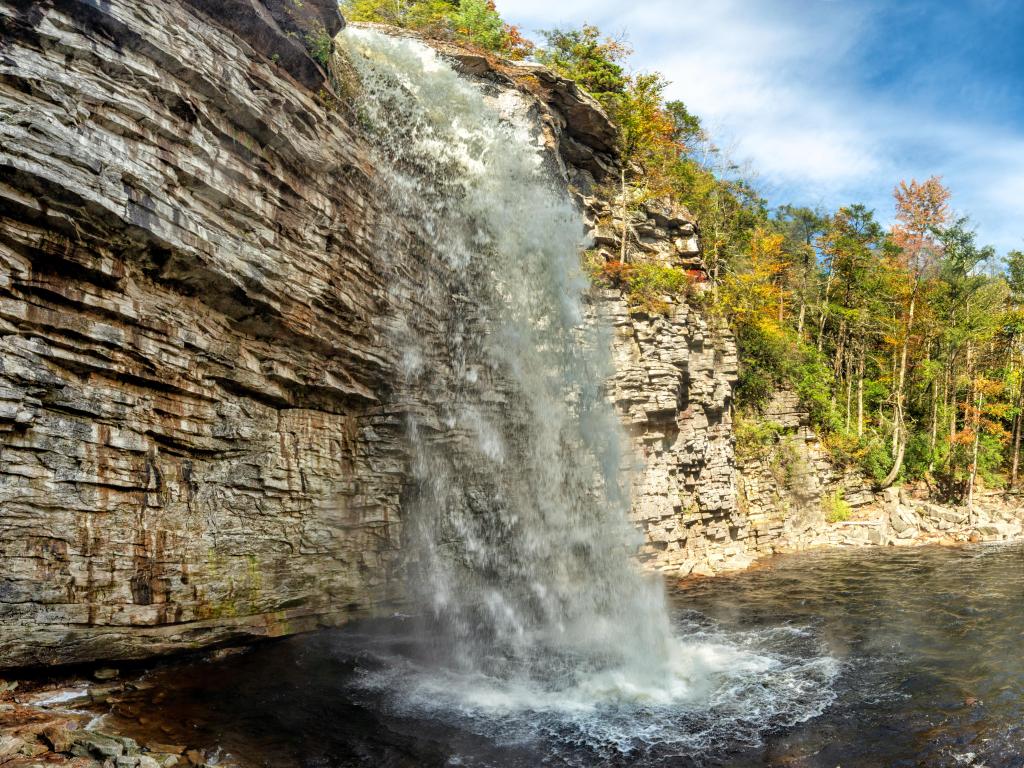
(834, 101)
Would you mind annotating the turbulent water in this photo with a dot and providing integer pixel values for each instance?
(924, 668)
(518, 516)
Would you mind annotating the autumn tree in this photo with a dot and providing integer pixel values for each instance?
(922, 209)
(801, 228)
(476, 22)
(852, 297)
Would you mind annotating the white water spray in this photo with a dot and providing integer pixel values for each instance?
(517, 515)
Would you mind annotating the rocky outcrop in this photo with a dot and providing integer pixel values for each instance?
(786, 484)
(673, 384)
(282, 30)
(196, 438)
(54, 725)
(793, 498)
(675, 366)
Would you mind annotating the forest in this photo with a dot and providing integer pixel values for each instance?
(903, 340)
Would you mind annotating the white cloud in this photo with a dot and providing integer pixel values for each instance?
(781, 84)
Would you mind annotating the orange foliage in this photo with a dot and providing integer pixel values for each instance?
(921, 208)
(615, 273)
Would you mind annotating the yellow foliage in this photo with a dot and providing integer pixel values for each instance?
(753, 294)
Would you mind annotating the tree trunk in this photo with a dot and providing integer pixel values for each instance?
(849, 391)
(625, 216)
(899, 433)
(1016, 439)
(837, 365)
(860, 394)
(934, 437)
(824, 313)
(974, 452)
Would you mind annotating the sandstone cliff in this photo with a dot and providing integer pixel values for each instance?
(194, 442)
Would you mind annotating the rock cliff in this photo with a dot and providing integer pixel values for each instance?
(202, 436)
(195, 442)
(202, 429)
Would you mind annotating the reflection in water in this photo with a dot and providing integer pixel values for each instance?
(912, 657)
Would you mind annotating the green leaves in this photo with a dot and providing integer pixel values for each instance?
(587, 57)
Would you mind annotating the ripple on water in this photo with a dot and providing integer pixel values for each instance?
(716, 690)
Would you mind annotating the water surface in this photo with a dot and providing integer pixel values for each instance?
(862, 658)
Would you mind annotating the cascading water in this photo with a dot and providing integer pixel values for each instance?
(517, 516)
(519, 507)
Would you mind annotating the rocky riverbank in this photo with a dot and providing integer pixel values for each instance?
(62, 724)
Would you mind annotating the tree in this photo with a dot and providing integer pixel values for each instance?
(586, 57)
(475, 22)
(1015, 327)
(922, 209)
(801, 228)
(855, 284)
(411, 14)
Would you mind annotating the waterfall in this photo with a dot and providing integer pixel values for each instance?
(516, 519)
(519, 508)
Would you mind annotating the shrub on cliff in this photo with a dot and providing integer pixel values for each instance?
(474, 22)
(836, 508)
(586, 57)
(647, 285)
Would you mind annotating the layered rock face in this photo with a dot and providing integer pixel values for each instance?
(202, 427)
(674, 373)
(194, 438)
(787, 490)
(785, 487)
(673, 383)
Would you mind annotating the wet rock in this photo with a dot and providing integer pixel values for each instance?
(10, 745)
(59, 737)
(97, 745)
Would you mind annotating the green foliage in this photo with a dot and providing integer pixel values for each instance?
(991, 460)
(877, 458)
(785, 461)
(836, 508)
(646, 284)
(320, 45)
(1015, 273)
(686, 126)
(754, 437)
(815, 384)
(588, 58)
(762, 357)
(474, 22)
(479, 22)
(919, 458)
(649, 283)
(411, 14)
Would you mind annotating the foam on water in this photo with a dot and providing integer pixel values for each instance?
(717, 691)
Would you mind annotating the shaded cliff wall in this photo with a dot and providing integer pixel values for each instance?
(196, 441)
